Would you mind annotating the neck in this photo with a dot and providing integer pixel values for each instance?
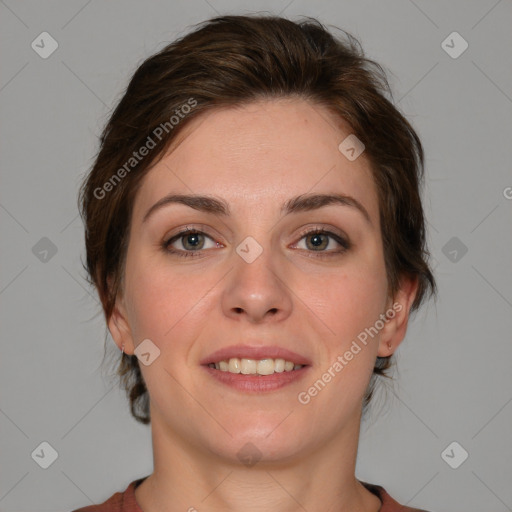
(322, 479)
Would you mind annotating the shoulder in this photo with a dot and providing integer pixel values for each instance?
(119, 502)
(388, 503)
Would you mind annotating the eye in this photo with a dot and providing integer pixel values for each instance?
(188, 242)
(323, 241)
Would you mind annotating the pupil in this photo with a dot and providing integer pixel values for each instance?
(193, 240)
(316, 240)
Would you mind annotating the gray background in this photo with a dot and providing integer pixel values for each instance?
(454, 379)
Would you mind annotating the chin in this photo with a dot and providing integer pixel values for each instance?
(256, 444)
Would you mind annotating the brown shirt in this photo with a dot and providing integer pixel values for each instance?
(126, 502)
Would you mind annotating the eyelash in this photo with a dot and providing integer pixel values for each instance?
(344, 243)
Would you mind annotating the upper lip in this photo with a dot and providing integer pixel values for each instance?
(255, 352)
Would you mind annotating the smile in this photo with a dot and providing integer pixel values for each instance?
(255, 366)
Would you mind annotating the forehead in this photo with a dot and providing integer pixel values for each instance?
(260, 154)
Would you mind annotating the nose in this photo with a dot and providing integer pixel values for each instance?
(257, 291)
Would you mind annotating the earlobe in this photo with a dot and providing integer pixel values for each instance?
(397, 316)
(119, 328)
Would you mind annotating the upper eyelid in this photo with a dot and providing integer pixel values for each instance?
(191, 229)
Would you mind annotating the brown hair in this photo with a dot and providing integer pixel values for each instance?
(232, 60)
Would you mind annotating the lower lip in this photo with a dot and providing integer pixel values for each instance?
(257, 383)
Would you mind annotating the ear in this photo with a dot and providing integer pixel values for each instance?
(397, 313)
(119, 326)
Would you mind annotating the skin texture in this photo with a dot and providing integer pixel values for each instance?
(256, 157)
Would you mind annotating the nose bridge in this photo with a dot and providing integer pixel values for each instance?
(255, 288)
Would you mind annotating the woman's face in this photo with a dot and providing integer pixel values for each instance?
(252, 283)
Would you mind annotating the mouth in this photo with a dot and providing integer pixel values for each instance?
(256, 368)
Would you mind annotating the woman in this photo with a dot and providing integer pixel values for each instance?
(255, 232)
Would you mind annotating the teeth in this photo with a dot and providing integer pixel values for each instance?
(279, 365)
(255, 366)
(265, 367)
(234, 365)
(249, 366)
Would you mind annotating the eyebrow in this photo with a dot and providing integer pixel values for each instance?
(302, 203)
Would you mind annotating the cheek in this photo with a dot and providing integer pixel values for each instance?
(164, 303)
(348, 301)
